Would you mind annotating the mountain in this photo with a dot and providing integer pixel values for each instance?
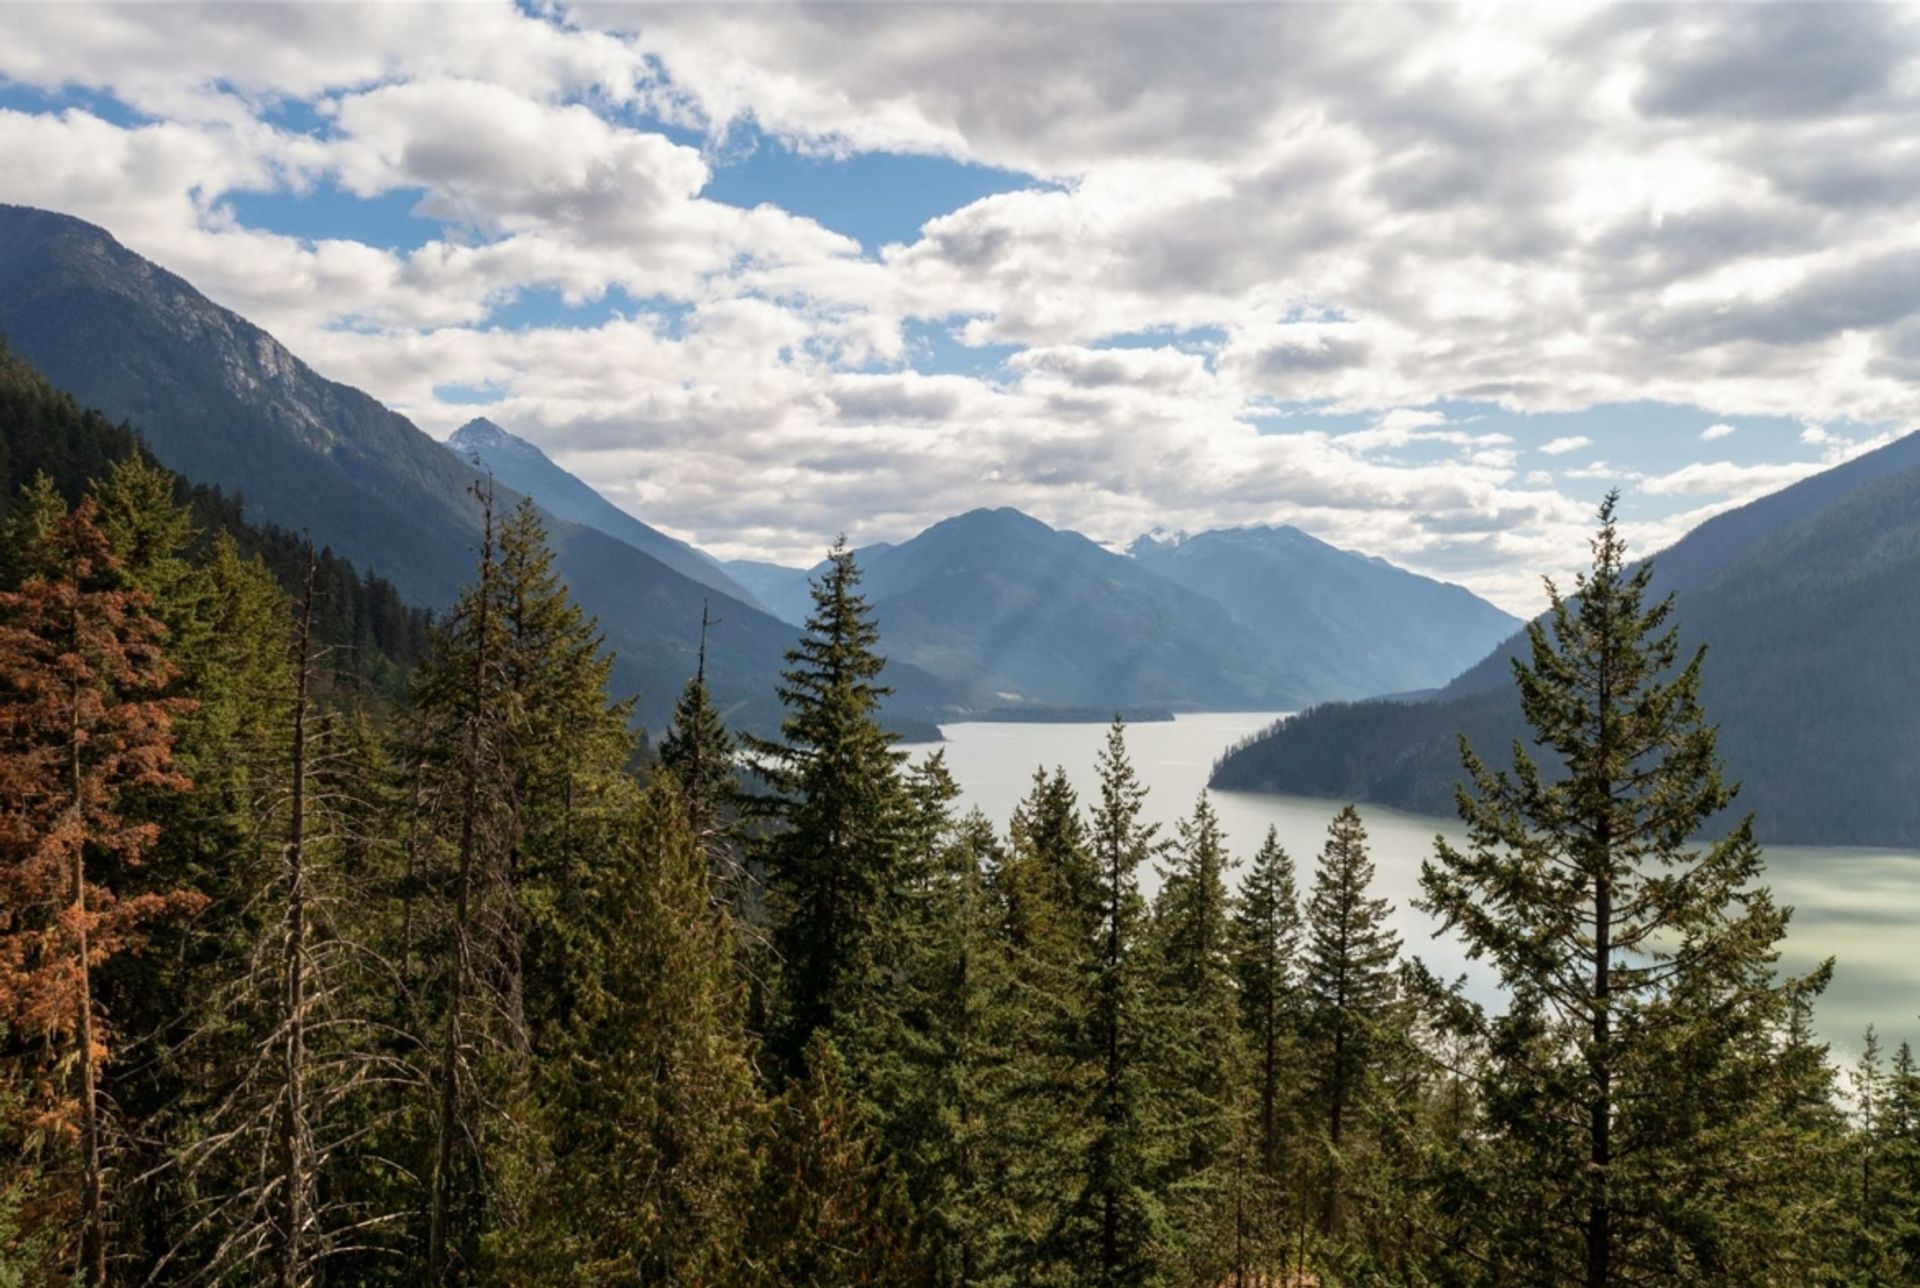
(782, 589)
(1351, 625)
(223, 403)
(1809, 603)
(45, 434)
(997, 601)
(526, 469)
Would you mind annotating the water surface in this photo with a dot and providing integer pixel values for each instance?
(1860, 906)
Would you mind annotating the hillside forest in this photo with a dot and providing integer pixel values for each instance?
(333, 952)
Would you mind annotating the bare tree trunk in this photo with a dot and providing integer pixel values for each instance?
(440, 1216)
(93, 1234)
(295, 1163)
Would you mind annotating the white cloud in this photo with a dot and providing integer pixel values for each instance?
(1372, 211)
(1561, 446)
(1725, 478)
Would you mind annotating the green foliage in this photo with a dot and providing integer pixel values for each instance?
(1631, 1083)
(1199, 1064)
(830, 1211)
(830, 864)
(650, 1112)
(465, 981)
(1351, 994)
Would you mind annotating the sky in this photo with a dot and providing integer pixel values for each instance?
(1423, 281)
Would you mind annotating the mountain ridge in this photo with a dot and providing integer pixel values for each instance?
(222, 402)
(522, 466)
(1806, 600)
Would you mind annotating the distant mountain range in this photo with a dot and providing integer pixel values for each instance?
(1236, 619)
(988, 612)
(1004, 604)
(1349, 626)
(1809, 603)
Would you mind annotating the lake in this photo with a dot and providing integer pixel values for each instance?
(1860, 906)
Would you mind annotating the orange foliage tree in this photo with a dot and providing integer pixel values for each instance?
(83, 722)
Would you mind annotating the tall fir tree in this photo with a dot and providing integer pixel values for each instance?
(1266, 952)
(520, 745)
(1350, 990)
(835, 806)
(700, 752)
(1632, 1075)
(1046, 894)
(831, 1211)
(1197, 1055)
(949, 1096)
(1116, 1227)
(648, 1094)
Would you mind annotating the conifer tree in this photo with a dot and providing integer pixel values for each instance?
(1197, 1056)
(830, 1212)
(950, 1098)
(1266, 947)
(700, 753)
(1046, 895)
(648, 1095)
(518, 742)
(466, 717)
(1899, 1155)
(1350, 990)
(81, 729)
(1117, 1225)
(830, 863)
(1632, 1077)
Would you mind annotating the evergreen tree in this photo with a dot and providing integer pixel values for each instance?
(830, 1211)
(1116, 1226)
(1632, 1077)
(1899, 1156)
(648, 1096)
(1046, 895)
(1350, 990)
(518, 744)
(1198, 1064)
(1266, 948)
(700, 753)
(81, 730)
(834, 773)
(950, 1098)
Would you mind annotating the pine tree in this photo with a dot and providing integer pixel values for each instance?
(1266, 947)
(830, 1212)
(1631, 1077)
(1899, 1151)
(648, 1095)
(1350, 990)
(1116, 1225)
(466, 718)
(836, 792)
(81, 729)
(700, 753)
(1196, 1052)
(517, 741)
(949, 1098)
(1046, 895)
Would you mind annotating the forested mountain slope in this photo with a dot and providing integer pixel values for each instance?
(223, 403)
(45, 434)
(529, 471)
(1353, 626)
(1809, 603)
